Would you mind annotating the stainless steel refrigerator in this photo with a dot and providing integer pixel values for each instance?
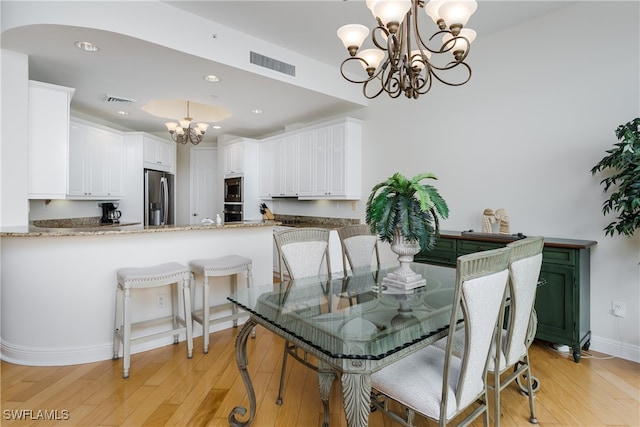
(158, 198)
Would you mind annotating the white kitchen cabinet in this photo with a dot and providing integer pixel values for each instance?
(233, 159)
(331, 163)
(240, 159)
(265, 168)
(48, 140)
(158, 153)
(285, 166)
(96, 157)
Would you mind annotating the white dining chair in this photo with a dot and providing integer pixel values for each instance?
(359, 246)
(303, 252)
(516, 336)
(436, 383)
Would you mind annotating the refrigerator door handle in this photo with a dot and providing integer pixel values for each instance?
(146, 198)
(165, 199)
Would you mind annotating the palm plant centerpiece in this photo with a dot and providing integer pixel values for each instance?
(404, 213)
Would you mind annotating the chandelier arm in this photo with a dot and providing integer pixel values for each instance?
(351, 58)
(465, 65)
(375, 41)
(193, 137)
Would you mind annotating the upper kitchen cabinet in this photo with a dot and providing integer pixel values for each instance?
(279, 171)
(96, 162)
(331, 162)
(48, 140)
(316, 162)
(265, 167)
(158, 153)
(233, 155)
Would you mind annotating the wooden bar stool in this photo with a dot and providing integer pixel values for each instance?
(129, 278)
(229, 265)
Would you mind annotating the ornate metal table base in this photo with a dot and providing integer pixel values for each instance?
(241, 360)
(356, 387)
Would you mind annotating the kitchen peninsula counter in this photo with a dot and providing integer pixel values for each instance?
(123, 228)
(59, 285)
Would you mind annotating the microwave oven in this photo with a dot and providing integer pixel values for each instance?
(233, 190)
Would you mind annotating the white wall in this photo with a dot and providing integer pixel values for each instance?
(14, 208)
(539, 112)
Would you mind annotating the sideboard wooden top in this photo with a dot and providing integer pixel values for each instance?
(506, 238)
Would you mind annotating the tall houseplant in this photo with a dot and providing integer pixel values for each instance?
(405, 213)
(623, 166)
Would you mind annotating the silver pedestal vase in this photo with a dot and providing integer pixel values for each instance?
(404, 277)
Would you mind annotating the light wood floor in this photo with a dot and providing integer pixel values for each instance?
(167, 389)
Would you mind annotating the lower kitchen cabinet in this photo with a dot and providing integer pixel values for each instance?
(562, 299)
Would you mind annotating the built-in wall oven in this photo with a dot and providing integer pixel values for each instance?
(233, 190)
(233, 199)
(232, 212)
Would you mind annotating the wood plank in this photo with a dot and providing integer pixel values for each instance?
(166, 388)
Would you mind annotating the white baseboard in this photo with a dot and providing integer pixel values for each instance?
(616, 348)
(20, 355)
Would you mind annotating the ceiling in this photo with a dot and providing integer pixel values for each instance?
(130, 68)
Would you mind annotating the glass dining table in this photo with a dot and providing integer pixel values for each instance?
(353, 324)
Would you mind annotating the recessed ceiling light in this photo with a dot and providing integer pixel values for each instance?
(216, 127)
(89, 47)
(211, 78)
(122, 112)
(256, 111)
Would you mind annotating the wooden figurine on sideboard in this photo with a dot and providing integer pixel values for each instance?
(489, 217)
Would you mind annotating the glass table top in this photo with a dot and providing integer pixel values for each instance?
(355, 316)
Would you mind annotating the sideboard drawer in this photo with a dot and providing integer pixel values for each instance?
(471, 246)
(559, 256)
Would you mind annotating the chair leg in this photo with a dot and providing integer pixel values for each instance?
(126, 334)
(532, 418)
(282, 372)
(117, 324)
(175, 309)
(205, 314)
(250, 284)
(496, 397)
(234, 289)
(186, 298)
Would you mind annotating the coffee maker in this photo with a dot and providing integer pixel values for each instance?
(110, 213)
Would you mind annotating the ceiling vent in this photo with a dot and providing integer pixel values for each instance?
(118, 100)
(272, 64)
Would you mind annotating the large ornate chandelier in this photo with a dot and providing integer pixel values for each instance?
(401, 61)
(182, 132)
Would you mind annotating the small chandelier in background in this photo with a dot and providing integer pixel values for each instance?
(183, 132)
(401, 61)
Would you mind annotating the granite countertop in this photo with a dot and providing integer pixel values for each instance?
(121, 228)
(298, 221)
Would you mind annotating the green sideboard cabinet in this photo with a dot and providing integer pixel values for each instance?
(562, 299)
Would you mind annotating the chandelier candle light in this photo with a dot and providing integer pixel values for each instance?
(183, 132)
(401, 61)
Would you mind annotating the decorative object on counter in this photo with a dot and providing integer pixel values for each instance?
(405, 214)
(401, 61)
(488, 218)
(218, 219)
(267, 215)
(624, 175)
(502, 217)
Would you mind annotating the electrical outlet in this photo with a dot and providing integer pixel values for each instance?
(618, 308)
